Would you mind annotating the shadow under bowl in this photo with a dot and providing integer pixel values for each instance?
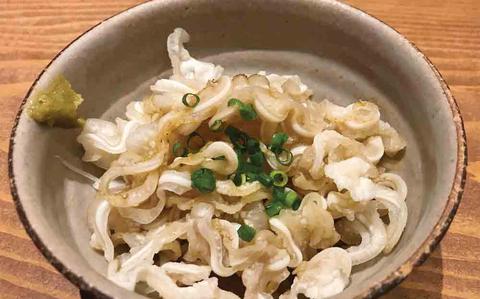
(342, 53)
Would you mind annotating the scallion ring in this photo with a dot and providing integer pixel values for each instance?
(217, 125)
(203, 180)
(178, 151)
(284, 157)
(290, 199)
(264, 179)
(238, 138)
(234, 102)
(247, 112)
(243, 179)
(239, 179)
(194, 100)
(273, 208)
(279, 178)
(246, 232)
(278, 194)
(296, 205)
(278, 140)
(195, 142)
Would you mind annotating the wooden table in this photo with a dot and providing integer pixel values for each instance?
(447, 31)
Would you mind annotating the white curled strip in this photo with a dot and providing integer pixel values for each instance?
(154, 242)
(187, 69)
(100, 238)
(352, 175)
(227, 187)
(98, 134)
(145, 215)
(394, 201)
(206, 155)
(295, 252)
(220, 204)
(164, 279)
(324, 275)
(374, 236)
(329, 144)
(174, 181)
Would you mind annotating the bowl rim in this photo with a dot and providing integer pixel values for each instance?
(375, 290)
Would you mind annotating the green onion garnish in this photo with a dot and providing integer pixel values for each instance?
(203, 180)
(240, 179)
(290, 199)
(284, 157)
(190, 100)
(195, 142)
(234, 102)
(243, 176)
(273, 208)
(247, 112)
(278, 140)
(257, 159)
(264, 179)
(178, 151)
(217, 125)
(253, 146)
(278, 194)
(251, 176)
(296, 204)
(246, 232)
(279, 178)
(237, 137)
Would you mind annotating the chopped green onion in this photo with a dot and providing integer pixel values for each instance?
(247, 112)
(234, 102)
(222, 157)
(284, 157)
(217, 125)
(291, 197)
(246, 232)
(203, 180)
(240, 179)
(265, 179)
(257, 159)
(177, 150)
(278, 194)
(273, 208)
(251, 176)
(296, 205)
(238, 138)
(194, 100)
(253, 146)
(195, 142)
(278, 140)
(244, 178)
(249, 167)
(279, 178)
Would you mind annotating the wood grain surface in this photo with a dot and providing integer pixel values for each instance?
(447, 31)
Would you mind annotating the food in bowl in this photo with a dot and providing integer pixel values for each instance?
(243, 175)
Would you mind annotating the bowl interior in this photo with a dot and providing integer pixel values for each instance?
(341, 53)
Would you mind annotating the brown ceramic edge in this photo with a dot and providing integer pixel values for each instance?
(375, 291)
(51, 258)
(453, 202)
(456, 191)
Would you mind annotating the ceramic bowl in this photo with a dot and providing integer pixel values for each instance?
(342, 53)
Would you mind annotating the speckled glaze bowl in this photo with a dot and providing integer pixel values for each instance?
(342, 53)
